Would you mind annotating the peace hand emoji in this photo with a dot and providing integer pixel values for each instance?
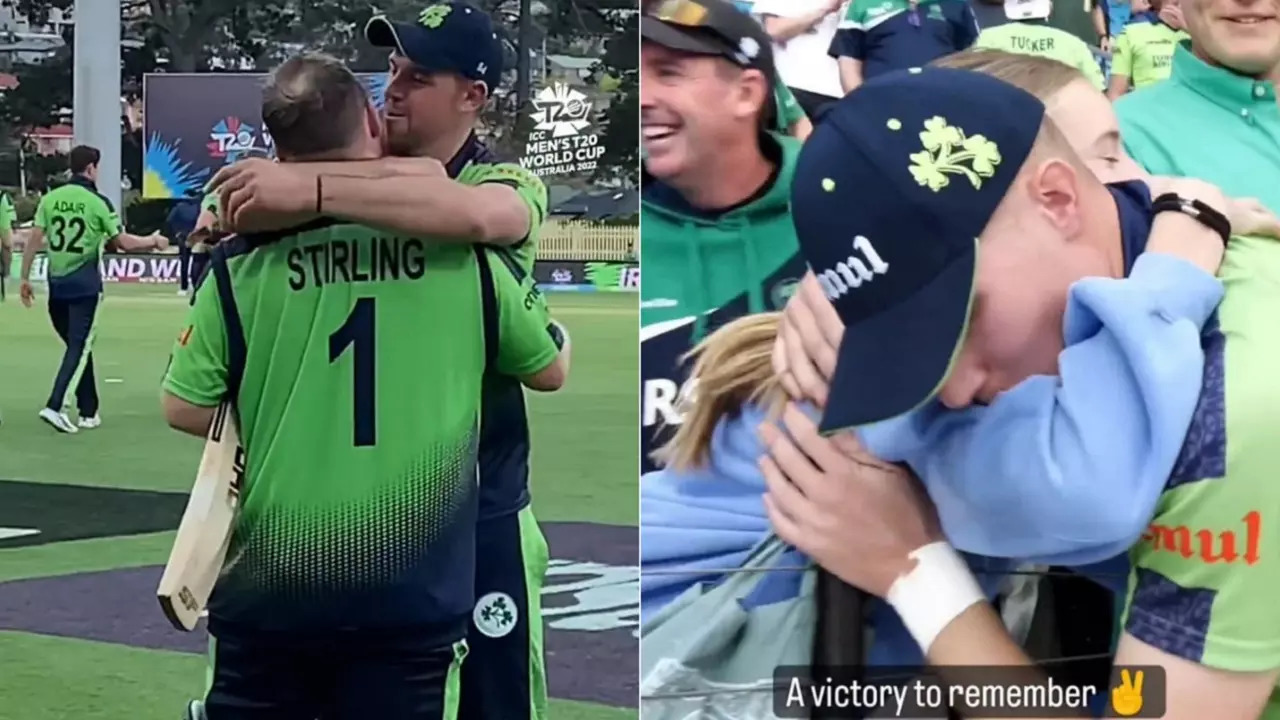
(1126, 700)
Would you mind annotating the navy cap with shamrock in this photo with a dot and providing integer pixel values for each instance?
(446, 37)
(890, 195)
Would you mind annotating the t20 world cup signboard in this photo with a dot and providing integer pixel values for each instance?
(196, 123)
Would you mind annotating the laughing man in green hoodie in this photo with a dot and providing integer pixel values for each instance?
(717, 241)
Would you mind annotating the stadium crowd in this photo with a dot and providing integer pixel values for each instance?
(974, 342)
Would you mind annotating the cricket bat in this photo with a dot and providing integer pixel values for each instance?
(205, 531)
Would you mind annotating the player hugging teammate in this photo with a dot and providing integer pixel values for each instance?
(447, 186)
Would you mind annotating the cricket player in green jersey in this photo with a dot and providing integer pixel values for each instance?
(444, 182)
(78, 224)
(356, 358)
(1142, 55)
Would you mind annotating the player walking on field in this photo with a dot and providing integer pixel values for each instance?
(78, 223)
(443, 69)
(359, 357)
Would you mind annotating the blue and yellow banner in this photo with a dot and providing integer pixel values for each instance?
(196, 123)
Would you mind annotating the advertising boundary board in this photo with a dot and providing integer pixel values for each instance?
(551, 275)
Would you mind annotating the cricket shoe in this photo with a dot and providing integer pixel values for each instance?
(59, 421)
(194, 711)
(91, 422)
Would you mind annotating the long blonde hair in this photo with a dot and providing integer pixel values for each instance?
(732, 367)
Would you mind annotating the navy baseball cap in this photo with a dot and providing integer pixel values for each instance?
(447, 37)
(890, 195)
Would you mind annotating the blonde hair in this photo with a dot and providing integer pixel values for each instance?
(1039, 76)
(732, 367)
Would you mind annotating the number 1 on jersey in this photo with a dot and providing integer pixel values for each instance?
(358, 333)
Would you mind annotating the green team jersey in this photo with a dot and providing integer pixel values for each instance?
(1044, 41)
(789, 110)
(1201, 586)
(77, 222)
(363, 357)
(504, 428)
(1144, 52)
(8, 216)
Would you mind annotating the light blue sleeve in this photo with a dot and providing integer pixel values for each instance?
(1066, 469)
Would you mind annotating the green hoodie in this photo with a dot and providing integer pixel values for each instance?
(703, 271)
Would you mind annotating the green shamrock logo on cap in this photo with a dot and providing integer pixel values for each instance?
(433, 16)
(947, 151)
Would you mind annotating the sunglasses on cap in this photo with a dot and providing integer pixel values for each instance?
(687, 13)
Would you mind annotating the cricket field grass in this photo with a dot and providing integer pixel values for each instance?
(86, 520)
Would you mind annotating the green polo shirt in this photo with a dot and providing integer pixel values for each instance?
(1209, 123)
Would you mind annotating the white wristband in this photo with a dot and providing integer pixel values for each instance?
(934, 593)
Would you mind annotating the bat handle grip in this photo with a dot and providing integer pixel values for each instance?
(839, 637)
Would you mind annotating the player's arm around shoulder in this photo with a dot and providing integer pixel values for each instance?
(495, 204)
(531, 346)
(196, 380)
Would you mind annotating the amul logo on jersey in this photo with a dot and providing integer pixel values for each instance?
(558, 145)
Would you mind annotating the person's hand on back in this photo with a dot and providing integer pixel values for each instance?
(1249, 216)
(804, 354)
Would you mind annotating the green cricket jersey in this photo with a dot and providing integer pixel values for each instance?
(1045, 41)
(1144, 51)
(504, 428)
(704, 269)
(77, 222)
(1202, 588)
(363, 359)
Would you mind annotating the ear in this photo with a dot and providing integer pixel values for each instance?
(1054, 187)
(751, 95)
(474, 96)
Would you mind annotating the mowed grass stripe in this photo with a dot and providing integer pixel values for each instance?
(53, 678)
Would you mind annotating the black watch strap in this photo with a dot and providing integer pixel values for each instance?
(1210, 218)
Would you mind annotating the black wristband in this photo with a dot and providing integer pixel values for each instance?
(1207, 216)
(319, 192)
